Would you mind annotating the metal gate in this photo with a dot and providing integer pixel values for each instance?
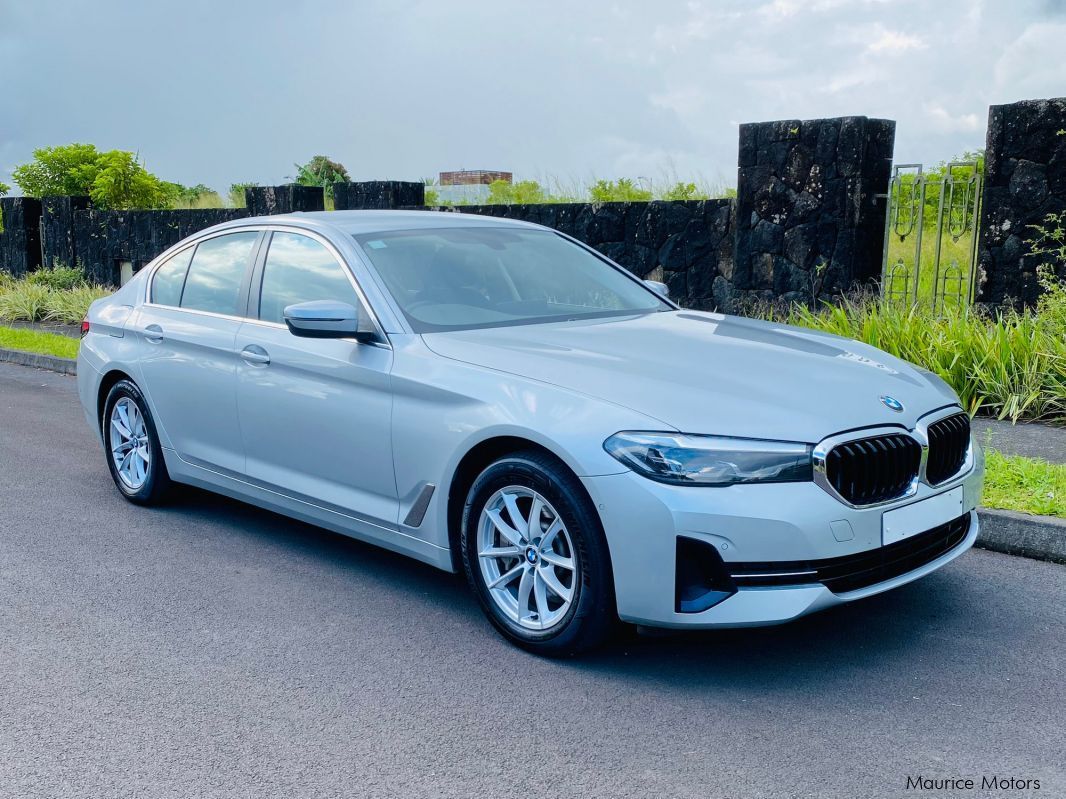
(930, 253)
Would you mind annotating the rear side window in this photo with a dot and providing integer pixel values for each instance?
(170, 277)
(300, 269)
(214, 281)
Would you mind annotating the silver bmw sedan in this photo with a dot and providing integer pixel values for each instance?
(496, 398)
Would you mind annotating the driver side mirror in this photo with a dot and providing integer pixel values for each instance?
(659, 288)
(329, 319)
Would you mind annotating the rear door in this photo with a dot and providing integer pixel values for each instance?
(189, 325)
(315, 413)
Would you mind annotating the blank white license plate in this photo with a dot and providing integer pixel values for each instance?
(921, 516)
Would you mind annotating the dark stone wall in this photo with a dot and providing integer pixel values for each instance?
(20, 238)
(1025, 180)
(809, 223)
(378, 194)
(686, 244)
(57, 229)
(104, 239)
(268, 200)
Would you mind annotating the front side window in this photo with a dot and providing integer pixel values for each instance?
(216, 272)
(300, 269)
(170, 277)
(461, 278)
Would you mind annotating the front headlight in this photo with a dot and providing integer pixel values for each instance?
(682, 459)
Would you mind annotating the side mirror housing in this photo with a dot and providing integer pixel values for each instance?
(329, 319)
(659, 288)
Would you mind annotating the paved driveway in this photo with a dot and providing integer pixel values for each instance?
(211, 649)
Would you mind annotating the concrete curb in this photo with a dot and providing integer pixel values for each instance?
(1038, 537)
(66, 366)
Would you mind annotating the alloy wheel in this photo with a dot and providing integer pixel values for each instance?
(130, 449)
(527, 558)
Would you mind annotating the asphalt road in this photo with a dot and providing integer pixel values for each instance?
(212, 649)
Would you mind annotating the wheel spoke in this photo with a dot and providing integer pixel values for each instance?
(549, 535)
(508, 532)
(518, 521)
(524, 589)
(501, 552)
(121, 428)
(540, 596)
(555, 559)
(507, 576)
(549, 578)
(533, 526)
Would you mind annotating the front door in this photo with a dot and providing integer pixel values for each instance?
(188, 327)
(315, 413)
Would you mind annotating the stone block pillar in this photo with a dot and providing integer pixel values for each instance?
(269, 200)
(1025, 180)
(378, 194)
(20, 236)
(809, 223)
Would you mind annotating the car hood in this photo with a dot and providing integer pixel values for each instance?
(709, 373)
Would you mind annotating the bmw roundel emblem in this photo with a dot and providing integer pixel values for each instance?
(531, 555)
(892, 403)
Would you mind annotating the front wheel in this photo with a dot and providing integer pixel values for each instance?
(536, 556)
(131, 442)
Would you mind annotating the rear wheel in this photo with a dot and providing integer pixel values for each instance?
(131, 442)
(535, 554)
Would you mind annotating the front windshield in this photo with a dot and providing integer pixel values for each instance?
(461, 278)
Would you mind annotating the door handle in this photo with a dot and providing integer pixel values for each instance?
(256, 355)
(153, 333)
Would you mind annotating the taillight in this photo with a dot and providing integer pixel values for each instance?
(84, 326)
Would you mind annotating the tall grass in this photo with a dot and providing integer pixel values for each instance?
(51, 295)
(1008, 364)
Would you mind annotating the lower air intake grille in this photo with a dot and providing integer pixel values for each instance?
(949, 441)
(852, 572)
(871, 470)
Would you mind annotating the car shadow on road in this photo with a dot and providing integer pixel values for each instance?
(922, 619)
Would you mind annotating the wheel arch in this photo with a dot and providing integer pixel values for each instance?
(107, 382)
(476, 459)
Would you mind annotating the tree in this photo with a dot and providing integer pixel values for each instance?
(67, 169)
(321, 171)
(4, 189)
(114, 179)
(123, 182)
(621, 190)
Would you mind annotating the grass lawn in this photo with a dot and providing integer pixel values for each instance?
(1026, 485)
(43, 343)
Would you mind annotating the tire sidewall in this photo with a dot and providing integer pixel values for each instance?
(584, 622)
(157, 477)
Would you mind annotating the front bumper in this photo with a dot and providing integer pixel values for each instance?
(770, 523)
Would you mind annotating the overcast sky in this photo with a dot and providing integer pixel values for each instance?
(220, 92)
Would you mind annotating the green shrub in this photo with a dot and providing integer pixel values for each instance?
(24, 302)
(70, 307)
(56, 297)
(58, 278)
(1009, 364)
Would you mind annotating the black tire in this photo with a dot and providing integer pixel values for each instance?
(592, 615)
(157, 481)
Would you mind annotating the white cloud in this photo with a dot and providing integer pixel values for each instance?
(889, 41)
(945, 122)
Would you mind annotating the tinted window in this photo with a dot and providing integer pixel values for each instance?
(214, 281)
(453, 278)
(300, 269)
(170, 277)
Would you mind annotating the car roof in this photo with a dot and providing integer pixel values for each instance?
(360, 222)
